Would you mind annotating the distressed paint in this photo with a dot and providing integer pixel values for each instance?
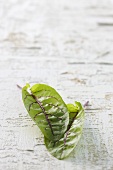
(68, 45)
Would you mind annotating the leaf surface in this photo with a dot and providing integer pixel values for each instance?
(47, 109)
(63, 147)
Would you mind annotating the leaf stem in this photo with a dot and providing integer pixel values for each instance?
(86, 104)
(19, 86)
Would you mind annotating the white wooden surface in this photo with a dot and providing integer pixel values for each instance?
(67, 44)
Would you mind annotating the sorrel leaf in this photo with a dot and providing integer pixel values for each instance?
(47, 109)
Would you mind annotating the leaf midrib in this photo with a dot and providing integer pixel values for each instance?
(43, 109)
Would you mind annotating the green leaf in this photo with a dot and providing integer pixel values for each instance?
(63, 147)
(47, 109)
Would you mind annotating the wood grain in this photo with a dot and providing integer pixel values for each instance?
(68, 45)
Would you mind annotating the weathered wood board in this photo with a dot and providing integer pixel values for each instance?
(68, 45)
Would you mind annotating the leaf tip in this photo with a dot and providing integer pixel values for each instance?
(27, 85)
